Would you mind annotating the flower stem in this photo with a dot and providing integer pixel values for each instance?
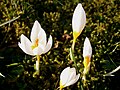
(72, 53)
(37, 65)
(84, 79)
(73, 44)
(60, 89)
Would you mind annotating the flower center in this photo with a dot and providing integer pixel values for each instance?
(35, 44)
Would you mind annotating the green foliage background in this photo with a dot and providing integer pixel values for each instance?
(55, 16)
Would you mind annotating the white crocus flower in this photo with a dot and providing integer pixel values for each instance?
(38, 44)
(87, 52)
(78, 20)
(68, 77)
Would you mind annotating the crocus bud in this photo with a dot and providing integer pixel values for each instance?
(87, 52)
(78, 20)
(68, 77)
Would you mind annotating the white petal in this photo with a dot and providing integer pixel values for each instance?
(64, 75)
(42, 37)
(87, 49)
(73, 81)
(72, 70)
(37, 51)
(72, 75)
(79, 19)
(49, 45)
(35, 30)
(25, 45)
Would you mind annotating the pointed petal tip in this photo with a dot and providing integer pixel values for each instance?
(87, 48)
(50, 38)
(79, 4)
(22, 35)
(86, 38)
(36, 22)
(87, 41)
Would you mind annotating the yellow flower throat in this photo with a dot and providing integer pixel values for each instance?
(86, 61)
(35, 44)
